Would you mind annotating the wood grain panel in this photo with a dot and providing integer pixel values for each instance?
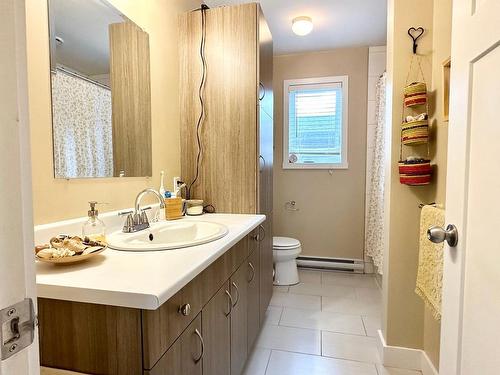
(266, 267)
(216, 331)
(253, 324)
(180, 359)
(239, 320)
(161, 327)
(89, 338)
(229, 166)
(131, 99)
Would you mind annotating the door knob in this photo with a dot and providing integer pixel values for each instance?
(438, 235)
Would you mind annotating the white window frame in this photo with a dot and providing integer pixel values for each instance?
(344, 81)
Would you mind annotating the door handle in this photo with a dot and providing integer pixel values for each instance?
(230, 303)
(237, 294)
(262, 94)
(200, 337)
(264, 163)
(437, 235)
(261, 238)
(252, 268)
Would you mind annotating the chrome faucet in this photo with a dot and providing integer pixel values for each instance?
(139, 219)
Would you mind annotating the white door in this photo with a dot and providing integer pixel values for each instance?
(17, 268)
(470, 338)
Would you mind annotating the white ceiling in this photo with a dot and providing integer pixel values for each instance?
(337, 23)
(83, 25)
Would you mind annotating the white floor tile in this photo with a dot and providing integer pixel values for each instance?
(323, 290)
(354, 280)
(299, 340)
(322, 320)
(257, 362)
(281, 288)
(369, 294)
(310, 276)
(298, 301)
(352, 306)
(372, 325)
(356, 348)
(285, 363)
(395, 371)
(273, 315)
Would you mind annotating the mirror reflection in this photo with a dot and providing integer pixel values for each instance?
(101, 109)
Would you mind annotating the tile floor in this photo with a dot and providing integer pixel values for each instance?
(326, 325)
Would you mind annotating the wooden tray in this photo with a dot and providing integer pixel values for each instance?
(73, 259)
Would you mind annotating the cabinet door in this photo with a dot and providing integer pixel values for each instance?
(239, 319)
(216, 331)
(266, 266)
(253, 266)
(185, 355)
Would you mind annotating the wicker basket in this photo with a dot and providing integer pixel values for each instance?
(415, 94)
(415, 132)
(415, 173)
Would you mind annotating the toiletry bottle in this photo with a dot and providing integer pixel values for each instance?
(162, 185)
(94, 228)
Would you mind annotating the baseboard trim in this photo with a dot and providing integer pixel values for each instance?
(405, 358)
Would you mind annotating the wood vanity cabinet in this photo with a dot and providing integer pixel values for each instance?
(185, 355)
(253, 300)
(236, 168)
(216, 322)
(207, 328)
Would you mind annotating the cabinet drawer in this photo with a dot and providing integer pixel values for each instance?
(253, 243)
(184, 356)
(161, 327)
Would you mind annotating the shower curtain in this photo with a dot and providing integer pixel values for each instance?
(82, 128)
(375, 221)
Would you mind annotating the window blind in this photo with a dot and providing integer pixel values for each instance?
(315, 123)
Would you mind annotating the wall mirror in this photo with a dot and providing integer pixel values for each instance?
(101, 94)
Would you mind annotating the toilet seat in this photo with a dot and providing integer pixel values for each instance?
(285, 243)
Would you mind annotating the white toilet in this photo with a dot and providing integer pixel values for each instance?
(285, 252)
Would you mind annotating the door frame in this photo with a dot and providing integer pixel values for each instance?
(17, 274)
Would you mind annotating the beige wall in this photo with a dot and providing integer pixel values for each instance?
(330, 222)
(403, 320)
(441, 51)
(61, 199)
(406, 321)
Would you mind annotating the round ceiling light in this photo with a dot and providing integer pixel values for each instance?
(302, 25)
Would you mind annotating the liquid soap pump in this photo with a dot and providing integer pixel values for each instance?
(94, 228)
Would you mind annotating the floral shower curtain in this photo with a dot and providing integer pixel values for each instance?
(82, 127)
(375, 222)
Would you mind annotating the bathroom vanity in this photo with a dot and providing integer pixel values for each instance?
(194, 310)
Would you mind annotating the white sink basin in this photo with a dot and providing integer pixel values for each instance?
(168, 236)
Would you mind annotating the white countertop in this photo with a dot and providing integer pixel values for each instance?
(143, 280)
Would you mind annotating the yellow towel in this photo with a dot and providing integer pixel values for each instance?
(430, 262)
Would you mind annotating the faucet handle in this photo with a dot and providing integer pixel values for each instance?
(144, 218)
(129, 224)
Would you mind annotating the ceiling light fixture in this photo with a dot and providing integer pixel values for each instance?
(302, 25)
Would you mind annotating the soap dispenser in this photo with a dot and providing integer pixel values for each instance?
(94, 228)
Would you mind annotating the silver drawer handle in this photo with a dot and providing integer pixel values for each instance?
(237, 294)
(230, 303)
(261, 238)
(252, 268)
(202, 346)
(185, 309)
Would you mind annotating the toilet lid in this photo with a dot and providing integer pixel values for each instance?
(285, 242)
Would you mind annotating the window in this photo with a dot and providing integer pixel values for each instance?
(315, 123)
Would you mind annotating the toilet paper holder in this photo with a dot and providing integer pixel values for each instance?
(290, 206)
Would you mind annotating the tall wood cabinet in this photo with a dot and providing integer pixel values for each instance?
(236, 136)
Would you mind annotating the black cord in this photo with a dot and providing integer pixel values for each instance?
(201, 91)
